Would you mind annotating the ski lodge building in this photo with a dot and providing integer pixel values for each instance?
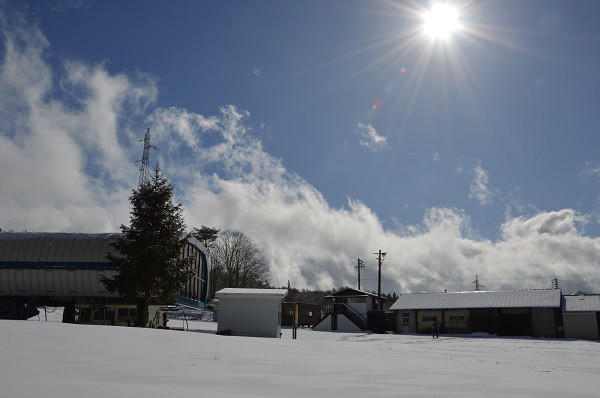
(535, 312)
(64, 269)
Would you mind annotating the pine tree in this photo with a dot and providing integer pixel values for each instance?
(148, 260)
(206, 235)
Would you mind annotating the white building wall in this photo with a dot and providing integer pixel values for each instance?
(344, 325)
(580, 325)
(260, 317)
(361, 308)
(324, 325)
(425, 326)
(412, 321)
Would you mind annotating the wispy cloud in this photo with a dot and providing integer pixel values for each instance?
(369, 138)
(591, 170)
(63, 5)
(480, 189)
(70, 168)
(436, 157)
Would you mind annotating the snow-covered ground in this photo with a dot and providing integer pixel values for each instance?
(50, 359)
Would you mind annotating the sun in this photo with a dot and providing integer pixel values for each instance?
(441, 21)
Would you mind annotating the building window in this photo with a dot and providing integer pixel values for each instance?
(429, 318)
(309, 313)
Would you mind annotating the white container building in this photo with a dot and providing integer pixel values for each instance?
(250, 312)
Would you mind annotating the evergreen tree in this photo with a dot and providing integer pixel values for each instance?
(148, 257)
(206, 235)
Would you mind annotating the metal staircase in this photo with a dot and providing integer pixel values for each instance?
(348, 312)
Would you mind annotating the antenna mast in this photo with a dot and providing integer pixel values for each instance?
(144, 174)
(477, 284)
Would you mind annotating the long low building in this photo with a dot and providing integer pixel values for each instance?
(64, 269)
(510, 313)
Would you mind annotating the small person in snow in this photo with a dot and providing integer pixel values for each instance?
(434, 330)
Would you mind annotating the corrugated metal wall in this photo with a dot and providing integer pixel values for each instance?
(53, 282)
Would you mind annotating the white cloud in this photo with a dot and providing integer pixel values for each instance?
(591, 170)
(369, 138)
(436, 157)
(480, 189)
(65, 136)
(225, 179)
(63, 5)
(166, 122)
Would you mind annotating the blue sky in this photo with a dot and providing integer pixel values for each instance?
(341, 109)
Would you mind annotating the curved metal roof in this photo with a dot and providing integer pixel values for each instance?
(34, 247)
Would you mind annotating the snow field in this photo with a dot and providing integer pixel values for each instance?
(55, 360)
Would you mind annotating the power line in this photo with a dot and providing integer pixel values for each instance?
(15, 141)
(502, 279)
(58, 158)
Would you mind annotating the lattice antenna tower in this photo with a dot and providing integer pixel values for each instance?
(478, 285)
(144, 163)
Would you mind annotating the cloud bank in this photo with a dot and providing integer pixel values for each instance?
(69, 132)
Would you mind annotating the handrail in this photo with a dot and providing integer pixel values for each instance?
(353, 312)
(343, 309)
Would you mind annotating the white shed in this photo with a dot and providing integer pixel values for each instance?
(250, 312)
(581, 316)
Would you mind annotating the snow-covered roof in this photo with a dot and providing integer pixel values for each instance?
(350, 292)
(581, 303)
(479, 299)
(230, 291)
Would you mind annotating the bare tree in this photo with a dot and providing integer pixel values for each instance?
(238, 262)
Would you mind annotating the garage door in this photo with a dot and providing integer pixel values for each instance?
(581, 325)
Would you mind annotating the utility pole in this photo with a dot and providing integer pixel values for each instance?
(554, 283)
(380, 257)
(476, 282)
(359, 266)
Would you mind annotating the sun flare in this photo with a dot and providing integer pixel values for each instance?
(441, 21)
